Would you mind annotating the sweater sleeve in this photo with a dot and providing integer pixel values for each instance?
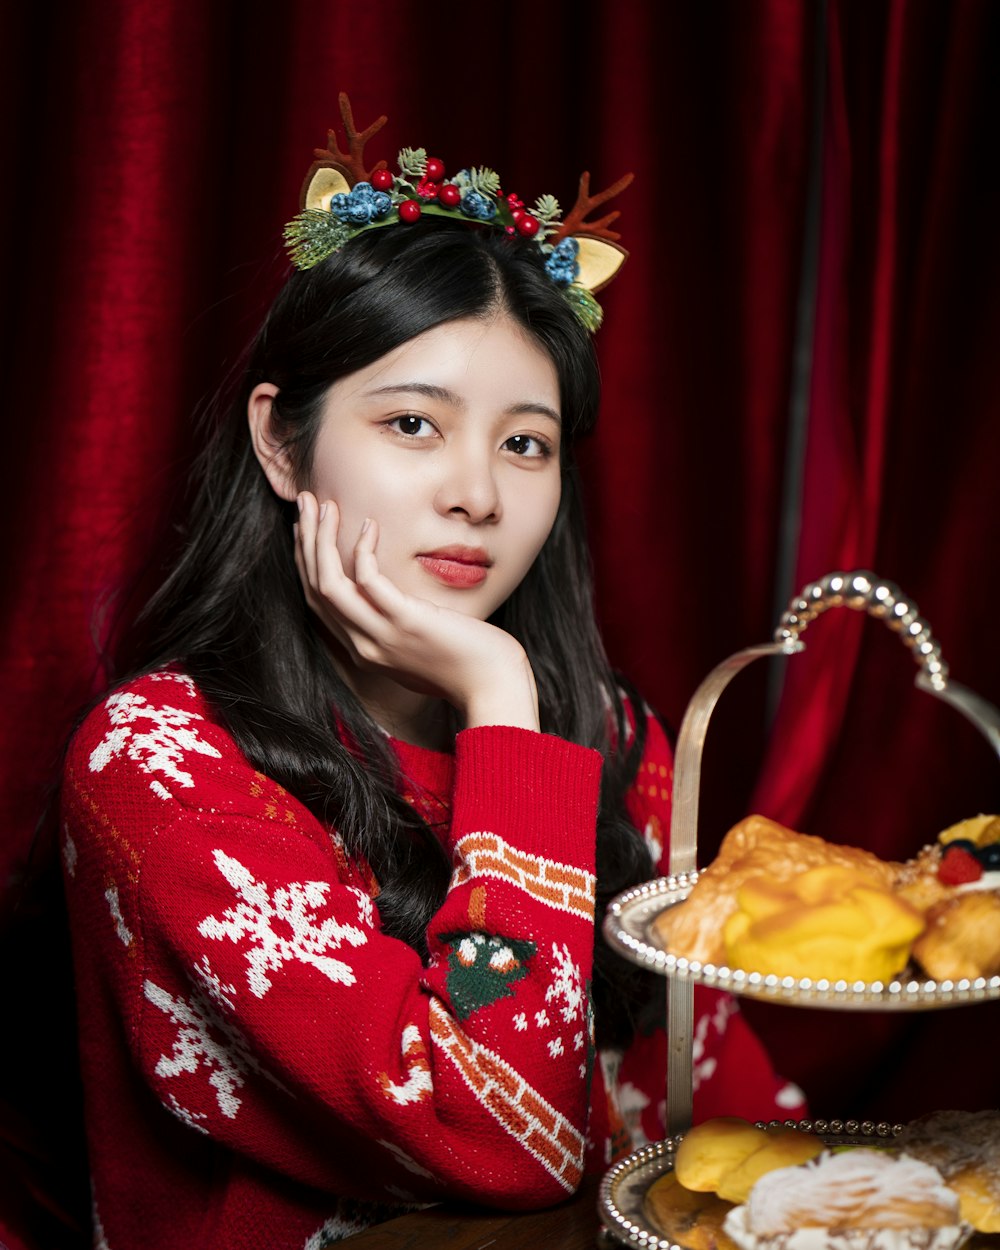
(234, 947)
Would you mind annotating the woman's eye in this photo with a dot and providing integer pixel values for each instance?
(527, 445)
(415, 427)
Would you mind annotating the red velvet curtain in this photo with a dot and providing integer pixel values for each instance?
(156, 148)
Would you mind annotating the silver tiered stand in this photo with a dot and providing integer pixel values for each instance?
(629, 916)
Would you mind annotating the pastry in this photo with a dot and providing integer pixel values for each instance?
(830, 921)
(859, 1198)
(784, 1148)
(965, 1148)
(710, 1149)
(787, 904)
(727, 1154)
(689, 1218)
(756, 848)
(962, 938)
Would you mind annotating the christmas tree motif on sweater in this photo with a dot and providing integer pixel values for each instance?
(284, 925)
(154, 738)
(482, 968)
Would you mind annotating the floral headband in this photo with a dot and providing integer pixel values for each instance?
(340, 199)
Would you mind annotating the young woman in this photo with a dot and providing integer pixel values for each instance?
(330, 852)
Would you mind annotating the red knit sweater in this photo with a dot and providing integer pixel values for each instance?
(264, 1067)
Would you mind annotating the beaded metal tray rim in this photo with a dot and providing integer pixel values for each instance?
(627, 926)
(623, 1188)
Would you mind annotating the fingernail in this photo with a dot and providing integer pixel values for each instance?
(322, 511)
(367, 524)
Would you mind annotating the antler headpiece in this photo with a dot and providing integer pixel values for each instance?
(340, 198)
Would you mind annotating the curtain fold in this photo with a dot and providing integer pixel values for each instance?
(903, 439)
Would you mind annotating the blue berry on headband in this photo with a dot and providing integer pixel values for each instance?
(361, 205)
(562, 266)
(476, 205)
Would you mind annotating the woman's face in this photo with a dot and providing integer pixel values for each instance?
(450, 442)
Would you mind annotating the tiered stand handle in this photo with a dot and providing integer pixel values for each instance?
(864, 592)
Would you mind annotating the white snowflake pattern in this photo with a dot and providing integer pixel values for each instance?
(221, 993)
(114, 905)
(567, 988)
(180, 679)
(70, 853)
(155, 738)
(520, 1022)
(411, 1165)
(789, 1097)
(335, 1229)
(556, 1047)
(366, 909)
(541, 1018)
(294, 907)
(353, 1216)
(653, 840)
(100, 1240)
(204, 1040)
(703, 1066)
(193, 1119)
(632, 1102)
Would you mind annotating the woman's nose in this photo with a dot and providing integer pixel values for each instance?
(469, 486)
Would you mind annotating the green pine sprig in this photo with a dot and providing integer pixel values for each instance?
(413, 162)
(587, 309)
(546, 209)
(314, 235)
(485, 181)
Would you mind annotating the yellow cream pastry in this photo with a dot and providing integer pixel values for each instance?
(711, 1149)
(980, 830)
(827, 922)
(761, 849)
(783, 1148)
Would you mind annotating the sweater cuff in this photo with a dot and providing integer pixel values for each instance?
(535, 790)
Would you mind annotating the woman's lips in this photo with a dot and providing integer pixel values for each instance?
(461, 567)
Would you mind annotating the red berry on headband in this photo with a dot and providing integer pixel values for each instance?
(517, 214)
(381, 180)
(527, 225)
(409, 211)
(435, 169)
(449, 195)
(958, 866)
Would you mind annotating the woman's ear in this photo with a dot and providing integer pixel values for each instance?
(270, 453)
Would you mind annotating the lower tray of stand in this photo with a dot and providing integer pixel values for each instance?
(627, 927)
(623, 1189)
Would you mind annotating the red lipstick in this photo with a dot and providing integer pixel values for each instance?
(460, 567)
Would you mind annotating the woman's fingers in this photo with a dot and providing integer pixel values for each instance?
(384, 594)
(308, 527)
(329, 591)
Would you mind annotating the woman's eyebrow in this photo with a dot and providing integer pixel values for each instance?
(443, 395)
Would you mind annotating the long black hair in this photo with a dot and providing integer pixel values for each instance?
(232, 611)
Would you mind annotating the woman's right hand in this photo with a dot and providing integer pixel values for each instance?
(478, 668)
